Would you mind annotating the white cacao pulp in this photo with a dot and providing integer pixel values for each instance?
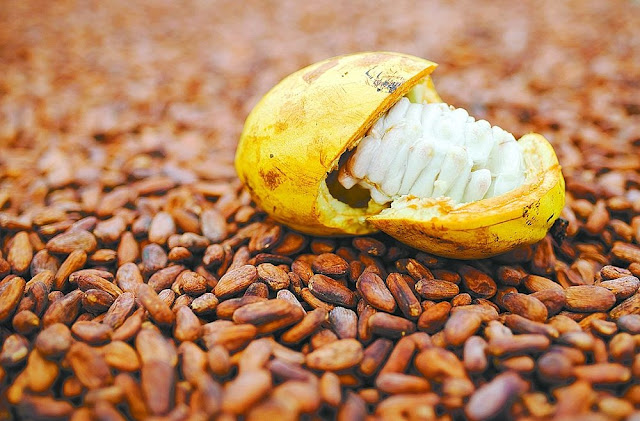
(433, 150)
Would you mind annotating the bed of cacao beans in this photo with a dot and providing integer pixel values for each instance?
(138, 281)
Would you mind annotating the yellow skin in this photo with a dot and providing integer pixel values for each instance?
(295, 136)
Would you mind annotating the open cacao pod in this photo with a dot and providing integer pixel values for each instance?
(362, 142)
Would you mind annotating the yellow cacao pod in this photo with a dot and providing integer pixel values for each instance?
(293, 140)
